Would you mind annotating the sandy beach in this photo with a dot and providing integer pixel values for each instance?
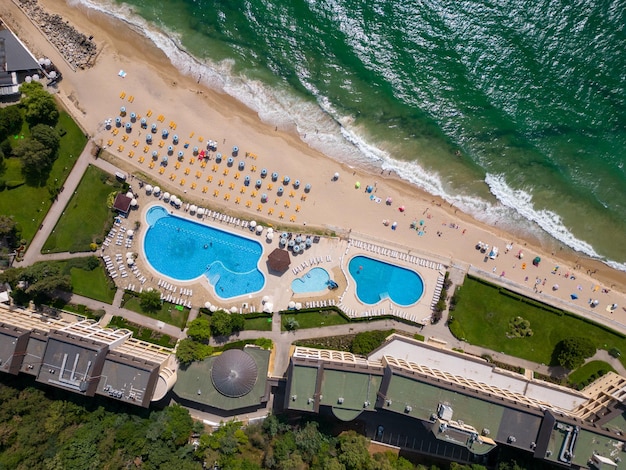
(152, 88)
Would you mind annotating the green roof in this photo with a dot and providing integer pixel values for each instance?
(353, 389)
(197, 378)
(303, 380)
(589, 443)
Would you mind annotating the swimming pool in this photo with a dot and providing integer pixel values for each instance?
(376, 280)
(315, 280)
(185, 250)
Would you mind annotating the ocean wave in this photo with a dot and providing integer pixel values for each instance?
(550, 222)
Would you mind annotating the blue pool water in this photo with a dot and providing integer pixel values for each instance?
(182, 249)
(376, 280)
(315, 280)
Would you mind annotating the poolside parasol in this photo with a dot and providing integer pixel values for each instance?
(265, 298)
(283, 241)
(193, 208)
(133, 202)
(302, 246)
(213, 308)
(298, 239)
(296, 248)
(130, 194)
(259, 228)
(284, 235)
(253, 224)
(269, 236)
(207, 304)
(156, 190)
(291, 242)
(270, 230)
(279, 261)
(166, 196)
(200, 211)
(233, 309)
(148, 188)
(291, 305)
(298, 305)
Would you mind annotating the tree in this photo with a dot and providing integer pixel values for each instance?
(47, 135)
(36, 158)
(10, 121)
(292, 324)
(38, 104)
(150, 301)
(572, 352)
(220, 323)
(353, 451)
(8, 230)
(189, 350)
(200, 329)
(237, 322)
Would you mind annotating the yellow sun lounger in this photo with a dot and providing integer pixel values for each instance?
(161, 170)
(270, 211)
(259, 208)
(182, 182)
(216, 192)
(292, 218)
(237, 200)
(248, 203)
(281, 215)
(205, 189)
(209, 178)
(193, 185)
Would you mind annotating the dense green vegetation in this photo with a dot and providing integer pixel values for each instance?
(359, 343)
(33, 166)
(46, 280)
(167, 313)
(143, 333)
(483, 312)
(86, 218)
(46, 430)
(586, 374)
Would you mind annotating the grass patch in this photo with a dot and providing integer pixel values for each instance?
(143, 333)
(314, 319)
(167, 313)
(589, 372)
(94, 284)
(483, 313)
(86, 216)
(28, 205)
(259, 324)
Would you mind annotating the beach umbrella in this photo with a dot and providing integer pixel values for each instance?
(284, 235)
(148, 188)
(148, 138)
(263, 173)
(170, 149)
(259, 229)
(302, 246)
(296, 248)
(520, 255)
(241, 165)
(274, 176)
(165, 133)
(193, 208)
(123, 111)
(133, 202)
(154, 127)
(258, 183)
(268, 308)
(195, 150)
(336, 176)
(155, 154)
(296, 184)
(369, 188)
(133, 117)
(394, 225)
(118, 121)
(129, 233)
(595, 303)
(286, 180)
(144, 123)
(264, 197)
(307, 188)
(308, 242)
(233, 309)
(270, 230)
(574, 296)
(166, 196)
(207, 304)
(401, 208)
(213, 308)
(283, 241)
(280, 191)
(218, 158)
(235, 150)
(291, 304)
(253, 224)
(357, 185)
(230, 161)
(536, 261)
(156, 190)
(200, 211)
(130, 261)
(180, 154)
(164, 159)
(246, 180)
(128, 127)
(298, 239)
(292, 243)
(555, 287)
(422, 222)
(175, 139)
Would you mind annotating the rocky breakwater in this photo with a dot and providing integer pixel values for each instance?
(77, 49)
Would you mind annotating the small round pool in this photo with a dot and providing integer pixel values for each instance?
(314, 280)
(376, 280)
(184, 250)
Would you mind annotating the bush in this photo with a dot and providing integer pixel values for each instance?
(364, 343)
(572, 352)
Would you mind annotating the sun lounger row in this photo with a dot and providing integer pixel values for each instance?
(167, 286)
(138, 274)
(396, 254)
(110, 266)
(437, 294)
(311, 262)
(176, 300)
(226, 218)
(403, 315)
(319, 303)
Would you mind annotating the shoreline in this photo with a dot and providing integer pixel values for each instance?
(122, 47)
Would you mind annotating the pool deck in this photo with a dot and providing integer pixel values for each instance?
(330, 253)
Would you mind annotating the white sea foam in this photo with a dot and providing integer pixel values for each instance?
(335, 135)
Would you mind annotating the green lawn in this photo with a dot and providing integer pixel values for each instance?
(93, 284)
(167, 314)
(260, 324)
(143, 333)
(482, 318)
(314, 319)
(589, 372)
(86, 216)
(29, 204)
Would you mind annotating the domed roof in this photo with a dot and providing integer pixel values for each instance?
(234, 373)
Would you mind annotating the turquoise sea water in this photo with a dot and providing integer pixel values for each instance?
(514, 111)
